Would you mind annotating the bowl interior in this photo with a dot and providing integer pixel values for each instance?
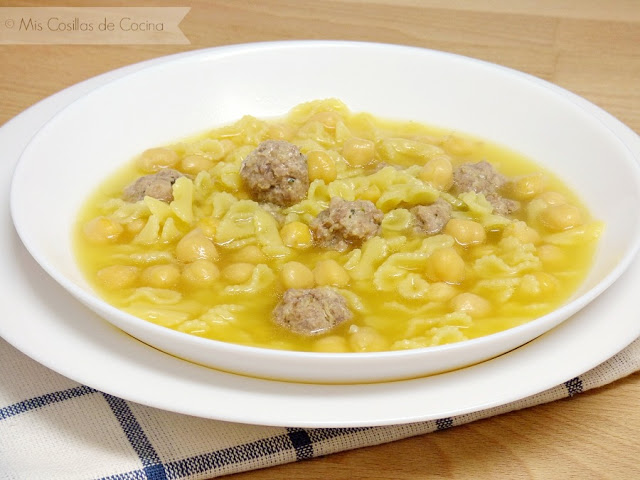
(189, 93)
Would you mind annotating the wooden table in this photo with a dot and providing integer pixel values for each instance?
(590, 47)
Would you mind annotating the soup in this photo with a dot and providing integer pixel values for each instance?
(334, 231)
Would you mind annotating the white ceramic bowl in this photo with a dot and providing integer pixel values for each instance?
(188, 93)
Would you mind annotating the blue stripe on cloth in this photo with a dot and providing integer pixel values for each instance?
(215, 461)
(301, 441)
(152, 466)
(444, 423)
(43, 400)
(574, 386)
(320, 434)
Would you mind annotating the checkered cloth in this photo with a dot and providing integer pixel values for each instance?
(50, 426)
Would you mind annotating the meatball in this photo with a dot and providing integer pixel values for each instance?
(159, 185)
(312, 311)
(431, 219)
(478, 177)
(501, 205)
(346, 223)
(276, 172)
(482, 178)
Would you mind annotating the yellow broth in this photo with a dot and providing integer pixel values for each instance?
(528, 264)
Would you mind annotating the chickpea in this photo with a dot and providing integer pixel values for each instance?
(552, 198)
(441, 292)
(321, 166)
(526, 187)
(438, 172)
(195, 164)
(330, 272)
(372, 193)
(465, 232)
(249, 254)
(154, 159)
(195, 246)
(358, 151)
(102, 230)
(561, 217)
(551, 256)
(161, 276)
(296, 275)
(237, 273)
(471, 304)
(200, 273)
(331, 344)
(296, 235)
(367, 339)
(115, 277)
(446, 265)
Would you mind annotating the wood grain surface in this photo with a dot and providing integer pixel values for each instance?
(590, 47)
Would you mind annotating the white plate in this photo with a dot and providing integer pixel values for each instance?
(44, 322)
